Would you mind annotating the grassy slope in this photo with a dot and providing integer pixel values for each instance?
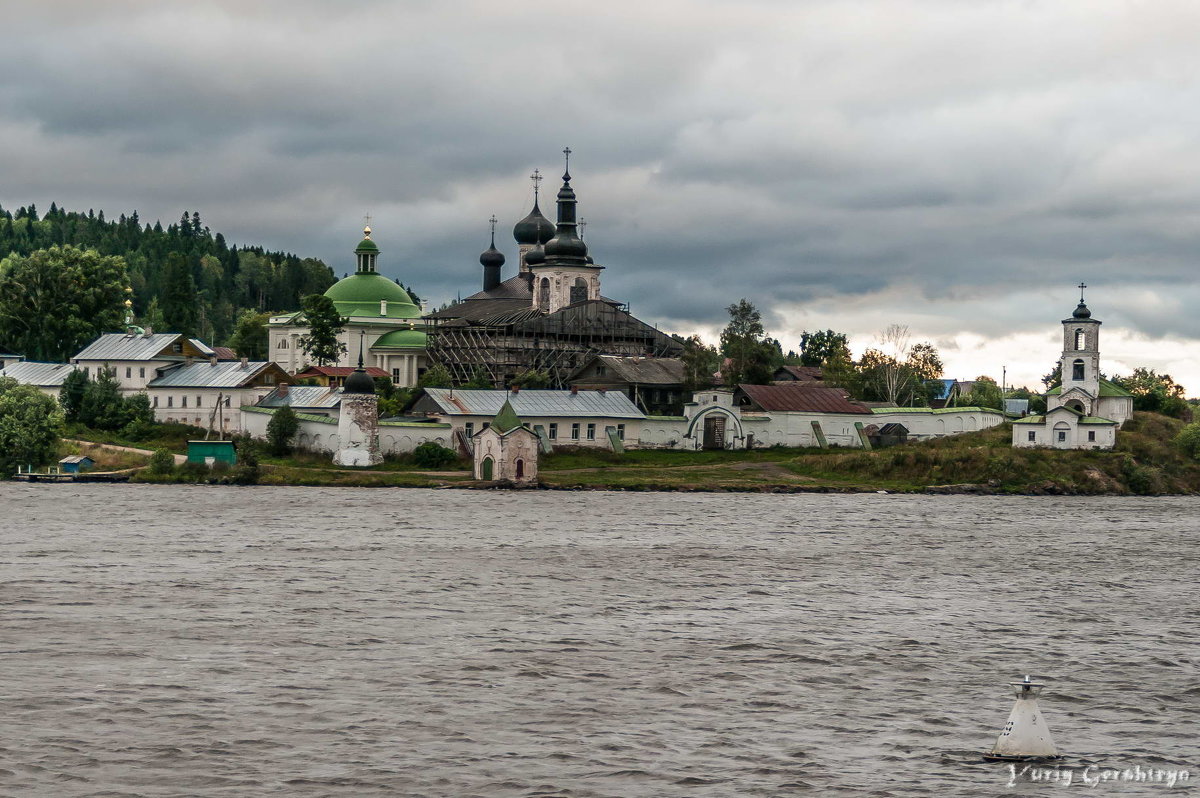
(1144, 462)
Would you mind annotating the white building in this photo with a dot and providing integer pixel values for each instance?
(596, 419)
(506, 450)
(1084, 411)
(135, 356)
(212, 392)
(47, 377)
(383, 312)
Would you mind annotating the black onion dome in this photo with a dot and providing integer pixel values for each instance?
(534, 228)
(566, 245)
(1081, 312)
(535, 256)
(359, 381)
(492, 257)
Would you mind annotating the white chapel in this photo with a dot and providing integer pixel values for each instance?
(1084, 411)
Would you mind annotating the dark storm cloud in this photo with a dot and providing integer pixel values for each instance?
(801, 154)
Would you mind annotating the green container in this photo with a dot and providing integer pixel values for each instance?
(209, 452)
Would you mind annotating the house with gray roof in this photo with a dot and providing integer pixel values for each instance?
(134, 357)
(211, 391)
(48, 377)
(599, 419)
(654, 384)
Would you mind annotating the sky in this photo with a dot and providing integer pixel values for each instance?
(956, 167)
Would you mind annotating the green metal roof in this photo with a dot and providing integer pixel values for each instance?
(360, 295)
(933, 410)
(1084, 420)
(402, 338)
(366, 245)
(507, 419)
(270, 411)
(1106, 389)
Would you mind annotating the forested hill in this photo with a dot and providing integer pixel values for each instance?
(184, 277)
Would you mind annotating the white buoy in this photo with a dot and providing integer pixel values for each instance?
(1025, 736)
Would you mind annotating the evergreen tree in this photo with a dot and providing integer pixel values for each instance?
(282, 427)
(324, 326)
(102, 406)
(70, 396)
(179, 296)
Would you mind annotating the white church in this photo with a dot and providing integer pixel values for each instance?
(1084, 411)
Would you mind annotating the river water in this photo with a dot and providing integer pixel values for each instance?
(164, 641)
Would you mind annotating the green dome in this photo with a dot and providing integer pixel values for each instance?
(360, 295)
(401, 338)
(366, 245)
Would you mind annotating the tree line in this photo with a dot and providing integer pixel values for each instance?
(184, 278)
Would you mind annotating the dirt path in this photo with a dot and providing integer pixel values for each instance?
(112, 447)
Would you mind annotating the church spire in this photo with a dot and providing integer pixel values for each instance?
(366, 252)
(566, 247)
(491, 260)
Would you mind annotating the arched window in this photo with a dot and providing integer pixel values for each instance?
(579, 291)
(1077, 370)
(520, 469)
(1080, 341)
(544, 294)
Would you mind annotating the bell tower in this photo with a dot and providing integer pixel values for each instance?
(1080, 360)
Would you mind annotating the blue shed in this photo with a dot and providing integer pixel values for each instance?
(75, 463)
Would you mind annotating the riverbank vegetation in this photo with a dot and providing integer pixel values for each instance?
(1155, 454)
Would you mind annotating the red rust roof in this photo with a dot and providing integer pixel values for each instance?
(802, 398)
(339, 371)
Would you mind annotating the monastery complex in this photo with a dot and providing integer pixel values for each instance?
(616, 382)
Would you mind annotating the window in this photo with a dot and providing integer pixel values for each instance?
(621, 431)
(591, 432)
(183, 401)
(1062, 436)
(396, 375)
(1077, 370)
(142, 373)
(129, 372)
(170, 401)
(156, 401)
(197, 401)
(574, 432)
(1080, 341)
(1032, 437)
(282, 343)
(544, 293)
(1091, 435)
(553, 432)
(470, 429)
(177, 348)
(227, 401)
(601, 371)
(579, 291)
(486, 424)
